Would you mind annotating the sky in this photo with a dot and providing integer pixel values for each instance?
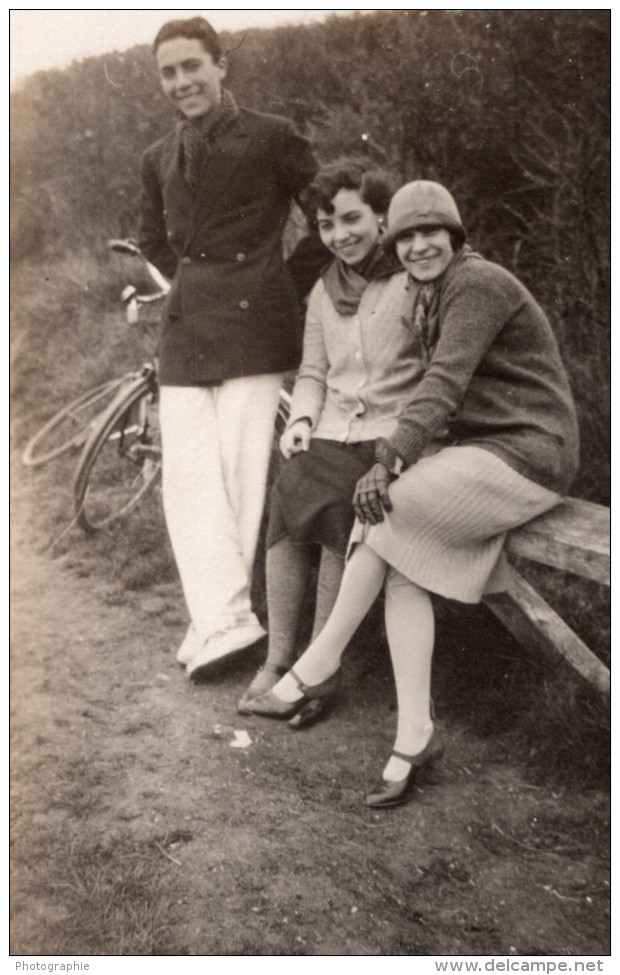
(42, 39)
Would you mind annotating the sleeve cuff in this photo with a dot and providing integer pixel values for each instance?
(299, 419)
(409, 444)
(386, 454)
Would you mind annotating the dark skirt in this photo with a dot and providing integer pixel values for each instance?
(311, 500)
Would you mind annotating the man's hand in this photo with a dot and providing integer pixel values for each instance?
(295, 438)
(371, 496)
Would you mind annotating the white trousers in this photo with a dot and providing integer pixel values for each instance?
(216, 444)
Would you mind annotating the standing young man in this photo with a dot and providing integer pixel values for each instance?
(216, 194)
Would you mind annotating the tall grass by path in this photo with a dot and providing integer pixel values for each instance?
(69, 331)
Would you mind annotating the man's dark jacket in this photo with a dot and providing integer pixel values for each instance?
(233, 309)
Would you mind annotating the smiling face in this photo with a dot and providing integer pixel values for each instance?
(425, 252)
(351, 230)
(189, 76)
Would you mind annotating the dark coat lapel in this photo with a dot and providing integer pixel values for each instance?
(218, 173)
(173, 177)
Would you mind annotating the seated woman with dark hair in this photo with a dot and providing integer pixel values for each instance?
(361, 360)
(436, 522)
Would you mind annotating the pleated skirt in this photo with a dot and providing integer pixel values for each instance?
(452, 511)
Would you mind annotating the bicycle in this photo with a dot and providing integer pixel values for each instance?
(69, 428)
(121, 459)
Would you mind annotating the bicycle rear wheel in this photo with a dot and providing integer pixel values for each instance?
(69, 428)
(121, 460)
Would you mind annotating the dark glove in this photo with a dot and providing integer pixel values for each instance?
(371, 496)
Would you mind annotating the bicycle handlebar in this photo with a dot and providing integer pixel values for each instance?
(130, 247)
(124, 247)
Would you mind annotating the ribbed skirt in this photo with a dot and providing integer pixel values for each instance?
(452, 511)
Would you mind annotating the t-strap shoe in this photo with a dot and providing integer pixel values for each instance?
(270, 706)
(387, 794)
(312, 712)
(271, 674)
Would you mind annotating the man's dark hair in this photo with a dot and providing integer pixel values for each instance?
(374, 185)
(193, 28)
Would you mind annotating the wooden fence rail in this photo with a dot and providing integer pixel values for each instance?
(574, 537)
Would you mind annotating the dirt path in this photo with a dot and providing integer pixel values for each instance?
(139, 829)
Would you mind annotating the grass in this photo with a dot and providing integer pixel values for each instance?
(68, 333)
(116, 898)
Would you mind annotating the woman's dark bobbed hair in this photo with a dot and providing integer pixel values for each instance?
(374, 185)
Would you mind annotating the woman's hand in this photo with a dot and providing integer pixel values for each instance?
(371, 496)
(295, 438)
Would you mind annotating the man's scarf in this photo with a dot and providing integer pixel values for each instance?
(196, 138)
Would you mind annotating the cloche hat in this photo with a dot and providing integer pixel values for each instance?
(422, 204)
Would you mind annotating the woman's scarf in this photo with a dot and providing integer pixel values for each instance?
(427, 296)
(196, 138)
(346, 283)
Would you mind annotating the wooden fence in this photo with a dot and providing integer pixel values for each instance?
(574, 537)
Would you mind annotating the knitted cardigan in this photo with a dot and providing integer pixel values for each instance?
(495, 378)
(358, 371)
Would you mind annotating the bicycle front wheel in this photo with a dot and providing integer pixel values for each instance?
(69, 428)
(121, 460)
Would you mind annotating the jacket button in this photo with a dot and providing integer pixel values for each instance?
(241, 256)
(244, 304)
(186, 260)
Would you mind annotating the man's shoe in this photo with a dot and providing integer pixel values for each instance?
(222, 645)
(190, 646)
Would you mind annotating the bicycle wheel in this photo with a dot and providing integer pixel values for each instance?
(69, 428)
(121, 460)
